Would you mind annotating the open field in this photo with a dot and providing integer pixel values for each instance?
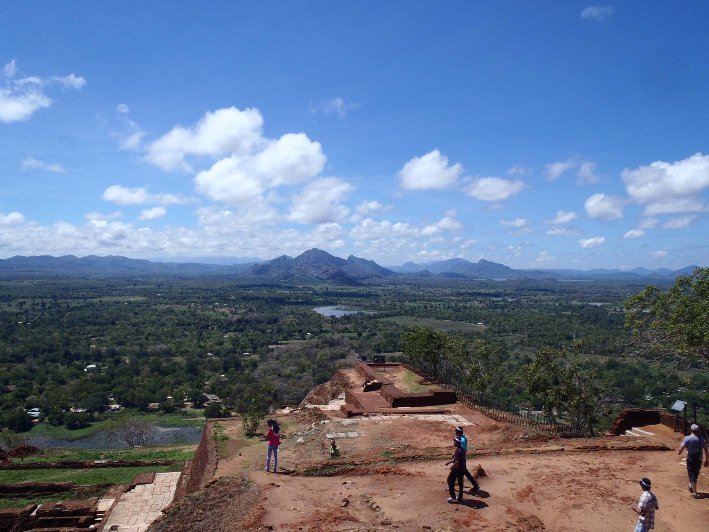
(443, 325)
(180, 453)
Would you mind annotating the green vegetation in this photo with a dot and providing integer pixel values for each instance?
(169, 340)
(180, 453)
(674, 323)
(107, 475)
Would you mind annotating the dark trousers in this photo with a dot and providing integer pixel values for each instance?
(456, 474)
(471, 479)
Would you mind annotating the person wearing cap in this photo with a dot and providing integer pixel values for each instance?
(460, 433)
(457, 472)
(694, 443)
(647, 504)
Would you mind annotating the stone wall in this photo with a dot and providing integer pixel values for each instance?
(200, 470)
(640, 417)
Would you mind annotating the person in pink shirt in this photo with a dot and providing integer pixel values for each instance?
(274, 440)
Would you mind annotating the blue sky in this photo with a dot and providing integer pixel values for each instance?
(536, 134)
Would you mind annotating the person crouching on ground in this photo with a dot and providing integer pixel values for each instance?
(694, 443)
(274, 440)
(647, 504)
(460, 433)
(457, 472)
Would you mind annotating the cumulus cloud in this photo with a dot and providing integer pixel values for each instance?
(634, 233)
(585, 170)
(138, 196)
(336, 106)
(592, 242)
(597, 13)
(321, 202)
(153, 214)
(30, 163)
(562, 217)
(604, 207)
(680, 222)
(518, 225)
(554, 171)
(97, 216)
(21, 98)
(370, 207)
(228, 130)
(429, 172)
(666, 188)
(369, 229)
(447, 223)
(659, 253)
(493, 188)
(562, 231)
(132, 141)
(11, 218)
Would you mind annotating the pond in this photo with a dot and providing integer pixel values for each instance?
(338, 312)
(102, 440)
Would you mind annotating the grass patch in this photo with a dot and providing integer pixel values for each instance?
(181, 453)
(442, 325)
(410, 383)
(109, 475)
(220, 439)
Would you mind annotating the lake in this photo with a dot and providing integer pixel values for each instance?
(338, 312)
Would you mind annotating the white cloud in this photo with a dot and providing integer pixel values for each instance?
(336, 106)
(554, 171)
(634, 233)
(10, 69)
(11, 218)
(680, 222)
(604, 207)
(321, 202)
(562, 231)
(369, 229)
(227, 130)
(30, 163)
(649, 223)
(592, 242)
(132, 141)
(586, 173)
(516, 171)
(98, 216)
(153, 214)
(447, 223)
(659, 253)
(229, 182)
(291, 159)
(429, 172)
(123, 108)
(21, 98)
(493, 188)
(70, 82)
(519, 225)
(138, 196)
(563, 217)
(370, 207)
(669, 187)
(597, 12)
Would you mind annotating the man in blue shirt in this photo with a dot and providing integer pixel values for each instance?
(695, 443)
(460, 433)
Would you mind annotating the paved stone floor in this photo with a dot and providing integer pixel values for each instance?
(142, 505)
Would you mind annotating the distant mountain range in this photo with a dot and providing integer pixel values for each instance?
(313, 265)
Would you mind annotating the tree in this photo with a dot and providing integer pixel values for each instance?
(253, 409)
(133, 432)
(563, 386)
(476, 362)
(17, 420)
(673, 323)
(424, 348)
